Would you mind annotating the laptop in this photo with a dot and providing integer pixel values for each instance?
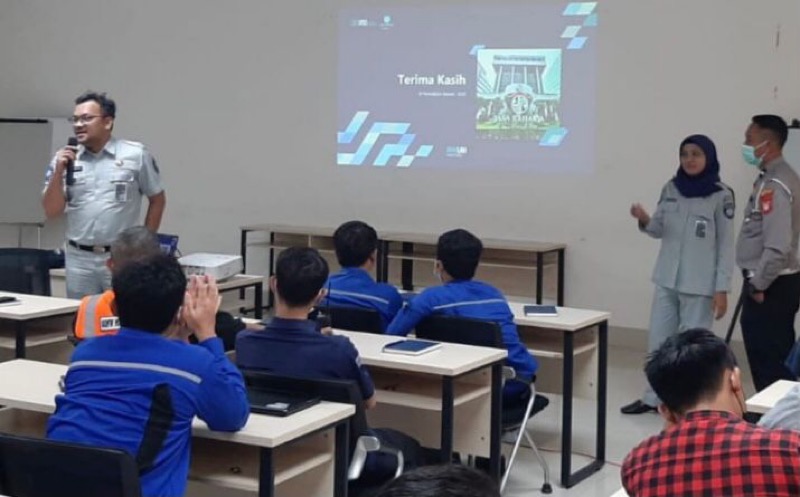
(277, 403)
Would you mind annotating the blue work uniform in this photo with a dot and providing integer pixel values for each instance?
(105, 200)
(294, 347)
(354, 287)
(476, 300)
(695, 262)
(118, 385)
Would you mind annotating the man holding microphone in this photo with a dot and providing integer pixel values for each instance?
(98, 183)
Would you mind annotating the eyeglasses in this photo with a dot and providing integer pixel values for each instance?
(84, 119)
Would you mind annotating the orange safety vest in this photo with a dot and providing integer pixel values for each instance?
(96, 316)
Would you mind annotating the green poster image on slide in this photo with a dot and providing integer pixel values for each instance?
(518, 93)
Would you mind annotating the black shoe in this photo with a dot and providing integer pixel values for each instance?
(637, 407)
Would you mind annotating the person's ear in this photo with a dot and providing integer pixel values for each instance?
(323, 292)
(736, 381)
(273, 284)
(110, 264)
(109, 123)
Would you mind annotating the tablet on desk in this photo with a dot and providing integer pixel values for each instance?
(540, 310)
(411, 347)
(276, 403)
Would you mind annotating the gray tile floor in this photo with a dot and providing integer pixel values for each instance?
(625, 383)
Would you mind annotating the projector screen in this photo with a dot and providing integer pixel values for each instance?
(506, 87)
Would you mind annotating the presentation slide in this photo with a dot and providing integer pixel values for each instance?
(505, 87)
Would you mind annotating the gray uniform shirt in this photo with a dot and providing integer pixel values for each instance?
(107, 195)
(767, 244)
(696, 255)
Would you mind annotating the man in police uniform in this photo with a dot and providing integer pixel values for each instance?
(104, 197)
(767, 253)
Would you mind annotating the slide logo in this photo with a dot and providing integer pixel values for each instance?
(399, 149)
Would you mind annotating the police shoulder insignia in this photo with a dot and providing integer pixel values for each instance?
(767, 200)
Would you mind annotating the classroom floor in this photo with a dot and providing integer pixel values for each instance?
(625, 381)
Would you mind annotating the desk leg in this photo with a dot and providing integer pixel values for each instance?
(341, 457)
(568, 478)
(243, 253)
(407, 268)
(20, 340)
(539, 277)
(447, 420)
(271, 299)
(259, 300)
(560, 298)
(266, 474)
(495, 430)
(602, 391)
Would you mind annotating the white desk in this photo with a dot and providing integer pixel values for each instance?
(236, 282)
(571, 339)
(32, 308)
(766, 399)
(620, 493)
(268, 454)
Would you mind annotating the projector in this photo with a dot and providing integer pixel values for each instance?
(220, 266)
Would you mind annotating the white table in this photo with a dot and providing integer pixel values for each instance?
(766, 399)
(32, 308)
(267, 454)
(450, 398)
(236, 282)
(570, 337)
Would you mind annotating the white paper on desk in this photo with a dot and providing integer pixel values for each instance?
(13, 302)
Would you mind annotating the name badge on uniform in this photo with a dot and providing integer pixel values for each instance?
(700, 228)
(109, 323)
(121, 192)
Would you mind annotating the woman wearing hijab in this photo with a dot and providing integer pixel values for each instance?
(694, 220)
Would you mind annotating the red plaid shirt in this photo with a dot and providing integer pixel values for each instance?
(714, 453)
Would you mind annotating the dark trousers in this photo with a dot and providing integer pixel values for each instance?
(768, 330)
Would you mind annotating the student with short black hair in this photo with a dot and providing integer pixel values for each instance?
(458, 253)
(290, 345)
(452, 480)
(706, 447)
(140, 390)
(356, 245)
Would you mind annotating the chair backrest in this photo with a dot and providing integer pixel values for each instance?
(33, 467)
(457, 329)
(25, 270)
(341, 391)
(355, 319)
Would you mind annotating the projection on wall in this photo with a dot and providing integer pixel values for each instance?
(505, 87)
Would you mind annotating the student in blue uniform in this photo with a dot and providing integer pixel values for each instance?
(138, 390)
(290, 345)
(458, 253)
(356, 246)
(694, 221)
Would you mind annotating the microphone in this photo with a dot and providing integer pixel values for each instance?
(72, 142)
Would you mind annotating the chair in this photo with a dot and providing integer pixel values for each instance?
(33, 467)
(468, 331)
(361, 441)
(25, 270)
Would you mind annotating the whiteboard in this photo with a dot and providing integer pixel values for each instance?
(25, 148)
(791, 151)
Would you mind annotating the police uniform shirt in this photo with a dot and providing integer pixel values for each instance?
(696, 254)
(354, 287)
(469, 299)
(107, 195)
(767, 243)
(111, 386)
(294, 347)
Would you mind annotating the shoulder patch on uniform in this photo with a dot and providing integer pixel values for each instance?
(767, 200)
(109, 323)
(729, 208)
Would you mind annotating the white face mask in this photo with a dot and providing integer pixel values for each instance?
(437, 274)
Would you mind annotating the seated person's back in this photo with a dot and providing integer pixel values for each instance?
(290, 345)
(139, 390)
(356, 245)
(458, 253)
(706, 447)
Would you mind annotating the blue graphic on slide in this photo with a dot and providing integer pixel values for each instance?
(388, 151)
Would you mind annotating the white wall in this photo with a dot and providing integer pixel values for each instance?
(239, 106)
